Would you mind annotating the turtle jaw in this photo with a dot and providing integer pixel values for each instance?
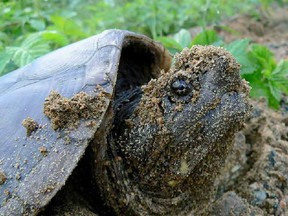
(218, 113)
(211, 130)
(192, 134)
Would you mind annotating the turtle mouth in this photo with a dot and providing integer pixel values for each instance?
(214, 125)
(189, 146)
(225, 118)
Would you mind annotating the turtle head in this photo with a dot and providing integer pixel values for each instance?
(171, 136)
(185, 121)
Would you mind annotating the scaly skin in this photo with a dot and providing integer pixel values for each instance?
(164, 158)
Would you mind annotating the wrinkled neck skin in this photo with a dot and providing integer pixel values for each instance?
(166, 149)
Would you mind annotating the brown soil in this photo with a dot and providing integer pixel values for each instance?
(256, 173)
(30, 125)
(255, 178)
(270, 30)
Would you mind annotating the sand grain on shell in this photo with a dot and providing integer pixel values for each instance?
(30, 125)
(3, 178)
(65, 112)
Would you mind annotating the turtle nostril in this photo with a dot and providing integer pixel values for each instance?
(181, 87)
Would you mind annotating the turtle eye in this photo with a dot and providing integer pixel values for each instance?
(181, 87)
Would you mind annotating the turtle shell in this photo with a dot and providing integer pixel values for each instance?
(36, 161)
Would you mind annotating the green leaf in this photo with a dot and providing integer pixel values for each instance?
(238, 47)
(183, 37)
(170, 43)
(273, 102)
(5, 57)
(4, 37)
(261, 51)
(58, 21)
(206, 38)
(38, 25)
(239, 50)
(280, 76)
(173, 51)
(264, 58)
(275, 91)
(32, 47)
(281, 69)
(263, 88)
(54, 36)
(68, 27)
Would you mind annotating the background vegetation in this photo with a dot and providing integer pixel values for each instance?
(29, 29)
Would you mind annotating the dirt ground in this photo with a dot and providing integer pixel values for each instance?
(255, 178)
(270, 30)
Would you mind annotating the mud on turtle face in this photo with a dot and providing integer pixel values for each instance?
(167, 145)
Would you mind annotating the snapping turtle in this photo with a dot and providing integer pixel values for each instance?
(156, 137)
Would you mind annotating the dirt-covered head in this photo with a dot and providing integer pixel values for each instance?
(182, 116)
(171, 136)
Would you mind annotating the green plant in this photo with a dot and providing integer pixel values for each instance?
(26, 48)
(29, 30)
(70, 20)
(183, 39)
(161, 17)
(267, 78)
